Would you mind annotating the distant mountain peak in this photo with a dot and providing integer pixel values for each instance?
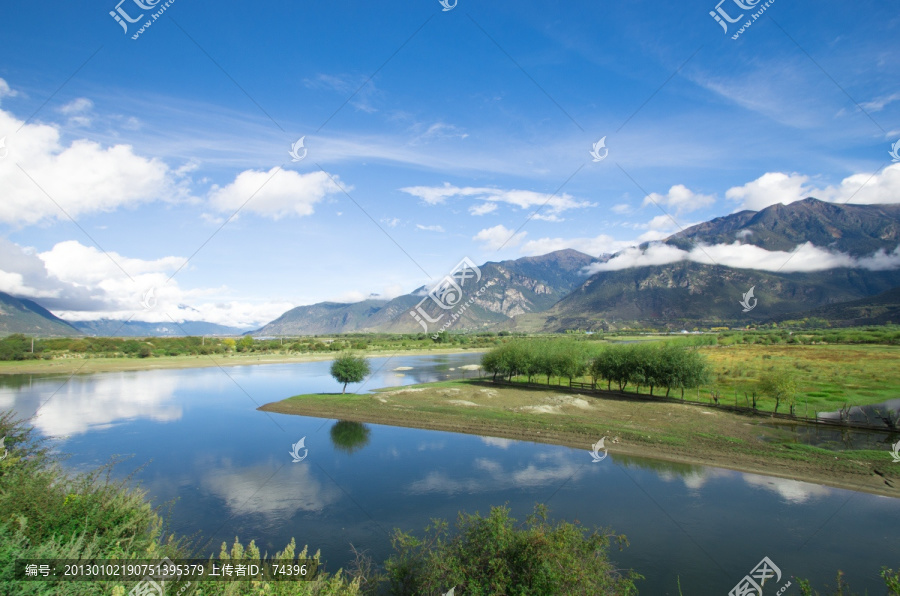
(858, 230)
(21, 315)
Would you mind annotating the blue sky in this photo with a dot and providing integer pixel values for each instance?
(431, 135)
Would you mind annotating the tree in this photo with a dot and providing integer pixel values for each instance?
(490, 363)
(571, 358)
(781, 385)
(647, 366)
(15, 347)
(349, 369)
(693, 371)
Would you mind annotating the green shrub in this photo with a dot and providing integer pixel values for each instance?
(891, 580)
(48, 513)
(490, 555)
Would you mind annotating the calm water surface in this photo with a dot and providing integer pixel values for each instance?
(228, 466)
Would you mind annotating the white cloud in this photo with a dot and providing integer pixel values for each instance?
(276, 193)
(78, 105)
(254, 489)
(498, 237)
(526, 199)
(23, 273)
(493, 477)
(621, 209)
(77, 110)
(5, 90)
(662, 223)
(523, 199)
(881, 260)
(769, 189)
(483, 209)
(794, 491)
(73, 262)
(547, 217)
(658, 228)
(879, 103)
(655, 254)
(391, 222)
(680, 199)
(84, 177)
(497, 442)
(696, 479)
(596, 246)
(389, 292)
(434, 228)
(78, 283)
(805, 257)
(777, 187)
(439, 130)
(104, 401)
(866, 189)
(434, 195)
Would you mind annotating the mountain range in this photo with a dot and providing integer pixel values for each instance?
(20, 315)
(511, 288)
(567, 289)
(686, 292)
(113, 328)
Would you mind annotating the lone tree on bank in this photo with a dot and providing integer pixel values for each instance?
(349, 369)
(781, 385)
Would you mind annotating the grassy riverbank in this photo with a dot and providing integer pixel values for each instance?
(828, 376)
(635, 427)
(81, 364)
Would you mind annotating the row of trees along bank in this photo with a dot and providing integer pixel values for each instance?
(656, 365)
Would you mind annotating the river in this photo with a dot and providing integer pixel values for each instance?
(229, 466)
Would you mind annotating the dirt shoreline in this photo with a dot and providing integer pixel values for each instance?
(672, 432)
(94, 365)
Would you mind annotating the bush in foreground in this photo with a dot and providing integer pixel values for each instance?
(489, 555)
(891, 580)
(48, 513)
